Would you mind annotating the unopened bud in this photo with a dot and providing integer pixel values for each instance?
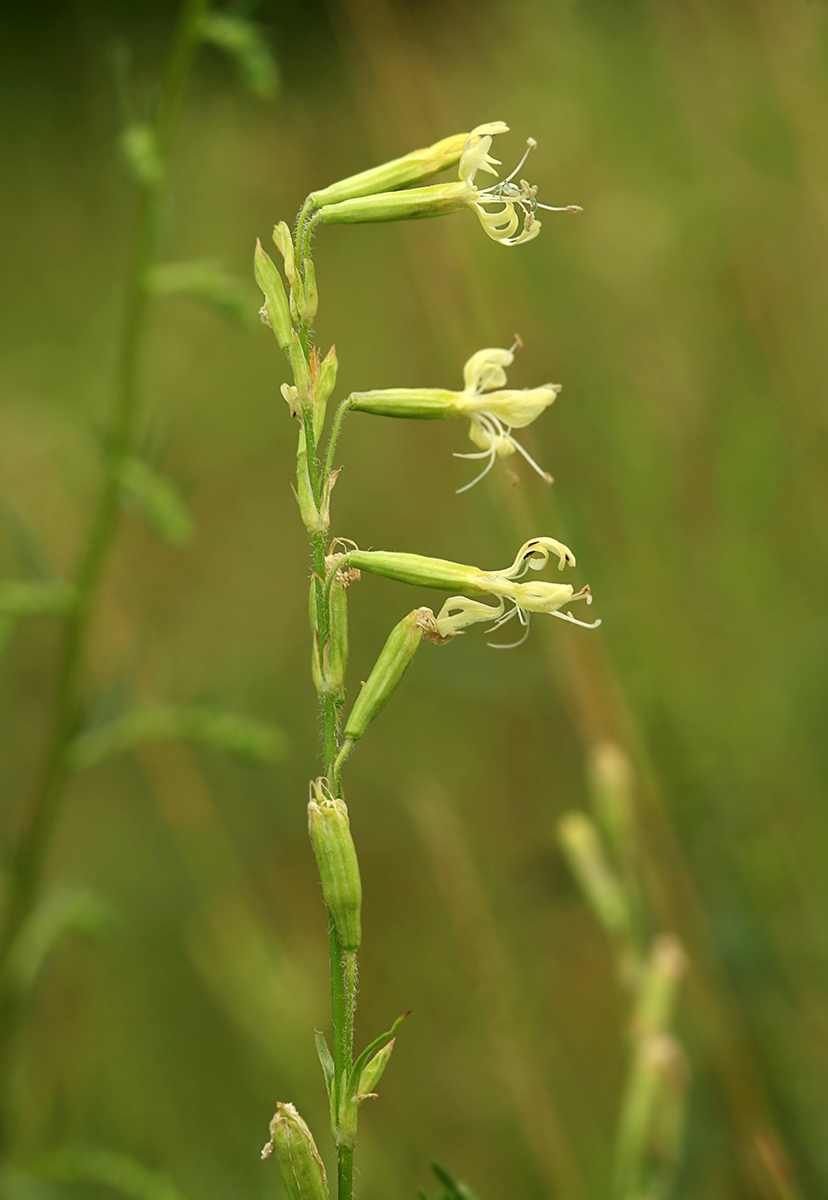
(323, 387)
(658, 987)
(307, 298)
(313, 520)
(329, 663)
(333, 846)
(611, 782)
(400, 172)
(275, 307)
(284, 243)
(301, 371)
(292, 1145)
(600, 885)
(388, 670)
(372, 1072)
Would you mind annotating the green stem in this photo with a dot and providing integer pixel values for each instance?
(345, 1173)
(40, 817)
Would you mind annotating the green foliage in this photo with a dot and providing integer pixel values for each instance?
(242, 41)
(453, 1189)
(226, 732)
(62, 911)
(111, 1170)
(139, 152)
(210, 284)
(158, 500)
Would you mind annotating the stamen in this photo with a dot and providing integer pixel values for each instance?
(574, 620)
(477, 478)
(565, 208)
(545, 476)
(530, 146)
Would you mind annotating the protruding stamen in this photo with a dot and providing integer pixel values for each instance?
(530, 146)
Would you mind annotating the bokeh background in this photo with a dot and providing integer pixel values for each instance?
(684, 314)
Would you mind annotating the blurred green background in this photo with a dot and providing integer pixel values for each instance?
(684, 314)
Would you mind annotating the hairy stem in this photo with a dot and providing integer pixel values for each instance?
(40, 816)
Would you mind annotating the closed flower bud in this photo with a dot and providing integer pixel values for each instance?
(372, 1072)
(411, 168)
(275, 308)
(307, 297)
(313, 520)
(330, 662)
(292, 1145)
(301, 371)
(388, 670)
(598, 881)
(333, 846)
(323, 386)
(284, 243)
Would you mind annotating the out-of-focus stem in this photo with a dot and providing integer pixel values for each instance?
(41, 814)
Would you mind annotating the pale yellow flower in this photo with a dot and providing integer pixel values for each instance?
(495, 413)
(500, 208)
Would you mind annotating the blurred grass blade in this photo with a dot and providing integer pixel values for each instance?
(31, 598)
(19, 1185)
(62, 911)
(207, 282)
(117, 1171)
(35, 598)
(242, 41)
(454, 1190)
(226, 732)
(158, 499)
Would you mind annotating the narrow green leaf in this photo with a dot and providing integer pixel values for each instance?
(243, 42)
(456, 1191)
(111, 1170)
(35, 598)
(326, 1059)
(209, 283)
(62, 911)
(242, 737)
(158, 500)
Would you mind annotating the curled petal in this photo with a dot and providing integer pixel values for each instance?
(499, 225)
(534, 555)
(476, 155)
(485, 370)
(458, 612)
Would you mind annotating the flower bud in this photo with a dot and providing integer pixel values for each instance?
(292, 1144)
(284, 243)
(601, 887)
(658, 986)
(611, 785)
(329, 663)
(301, 371)
(307, 297)
(411, 168)
(372, 1072)
(275, 307)
(324, 385)
(333, 846)
(388, 670)
(313, 520)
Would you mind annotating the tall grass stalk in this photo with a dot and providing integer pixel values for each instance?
(150, 152)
